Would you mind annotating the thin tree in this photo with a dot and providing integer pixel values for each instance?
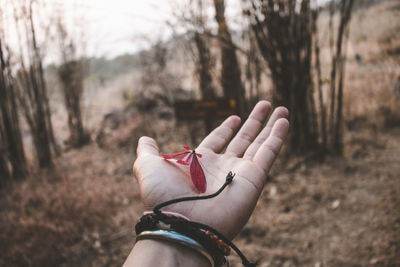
(322, 108)
(204, 61)
(337, 73)
(204, 66)
(254, 67)
(230, 70)
(11, 138)
(4, 171)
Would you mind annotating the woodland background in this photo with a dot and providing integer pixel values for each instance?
(69, 124)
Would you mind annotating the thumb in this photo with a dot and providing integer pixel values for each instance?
(147, 145)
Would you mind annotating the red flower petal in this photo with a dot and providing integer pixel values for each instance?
(186, 148)
(175, 156)
(197, 175)
(186, 160)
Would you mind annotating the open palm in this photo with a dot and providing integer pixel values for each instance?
(250, 155)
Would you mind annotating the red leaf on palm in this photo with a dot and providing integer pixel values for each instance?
(190, 157)
(197, 175)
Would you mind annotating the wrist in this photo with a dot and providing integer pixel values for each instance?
(202, 238)
(164, 253)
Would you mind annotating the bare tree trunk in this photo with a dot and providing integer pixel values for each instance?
(230, 73)
(204, 66)
(5, 174)
(4, 171)
(322, 107)
(253, 69)
(11, 134)
(37, 62)
(338, 137)
(339, 62)
(333, 70)
(333, 97)
(40, 132)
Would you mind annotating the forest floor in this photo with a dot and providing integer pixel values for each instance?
(339, 212)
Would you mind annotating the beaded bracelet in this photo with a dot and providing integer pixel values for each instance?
(176, 216)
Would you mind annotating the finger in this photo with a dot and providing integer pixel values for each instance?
(147, 145)
(279, 112)
(269, 150)
(220, 136)
(250, 129)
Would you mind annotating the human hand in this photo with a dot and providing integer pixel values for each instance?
(250, 155)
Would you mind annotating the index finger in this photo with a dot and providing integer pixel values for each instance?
(220, 136)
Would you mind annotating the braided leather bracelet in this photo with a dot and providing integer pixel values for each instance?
(199, 236)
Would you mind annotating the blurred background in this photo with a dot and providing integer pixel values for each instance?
(82, 80)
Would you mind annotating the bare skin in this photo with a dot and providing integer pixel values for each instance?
(250, 155)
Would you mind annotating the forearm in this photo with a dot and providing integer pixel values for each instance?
(164, 254)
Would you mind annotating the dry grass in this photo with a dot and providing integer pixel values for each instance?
(372, 67)
(60, 215)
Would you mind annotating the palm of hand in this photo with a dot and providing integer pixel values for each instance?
(161, 180)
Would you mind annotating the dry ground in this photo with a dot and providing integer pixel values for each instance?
(343, 212)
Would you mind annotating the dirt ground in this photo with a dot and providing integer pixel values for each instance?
(343, 212)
